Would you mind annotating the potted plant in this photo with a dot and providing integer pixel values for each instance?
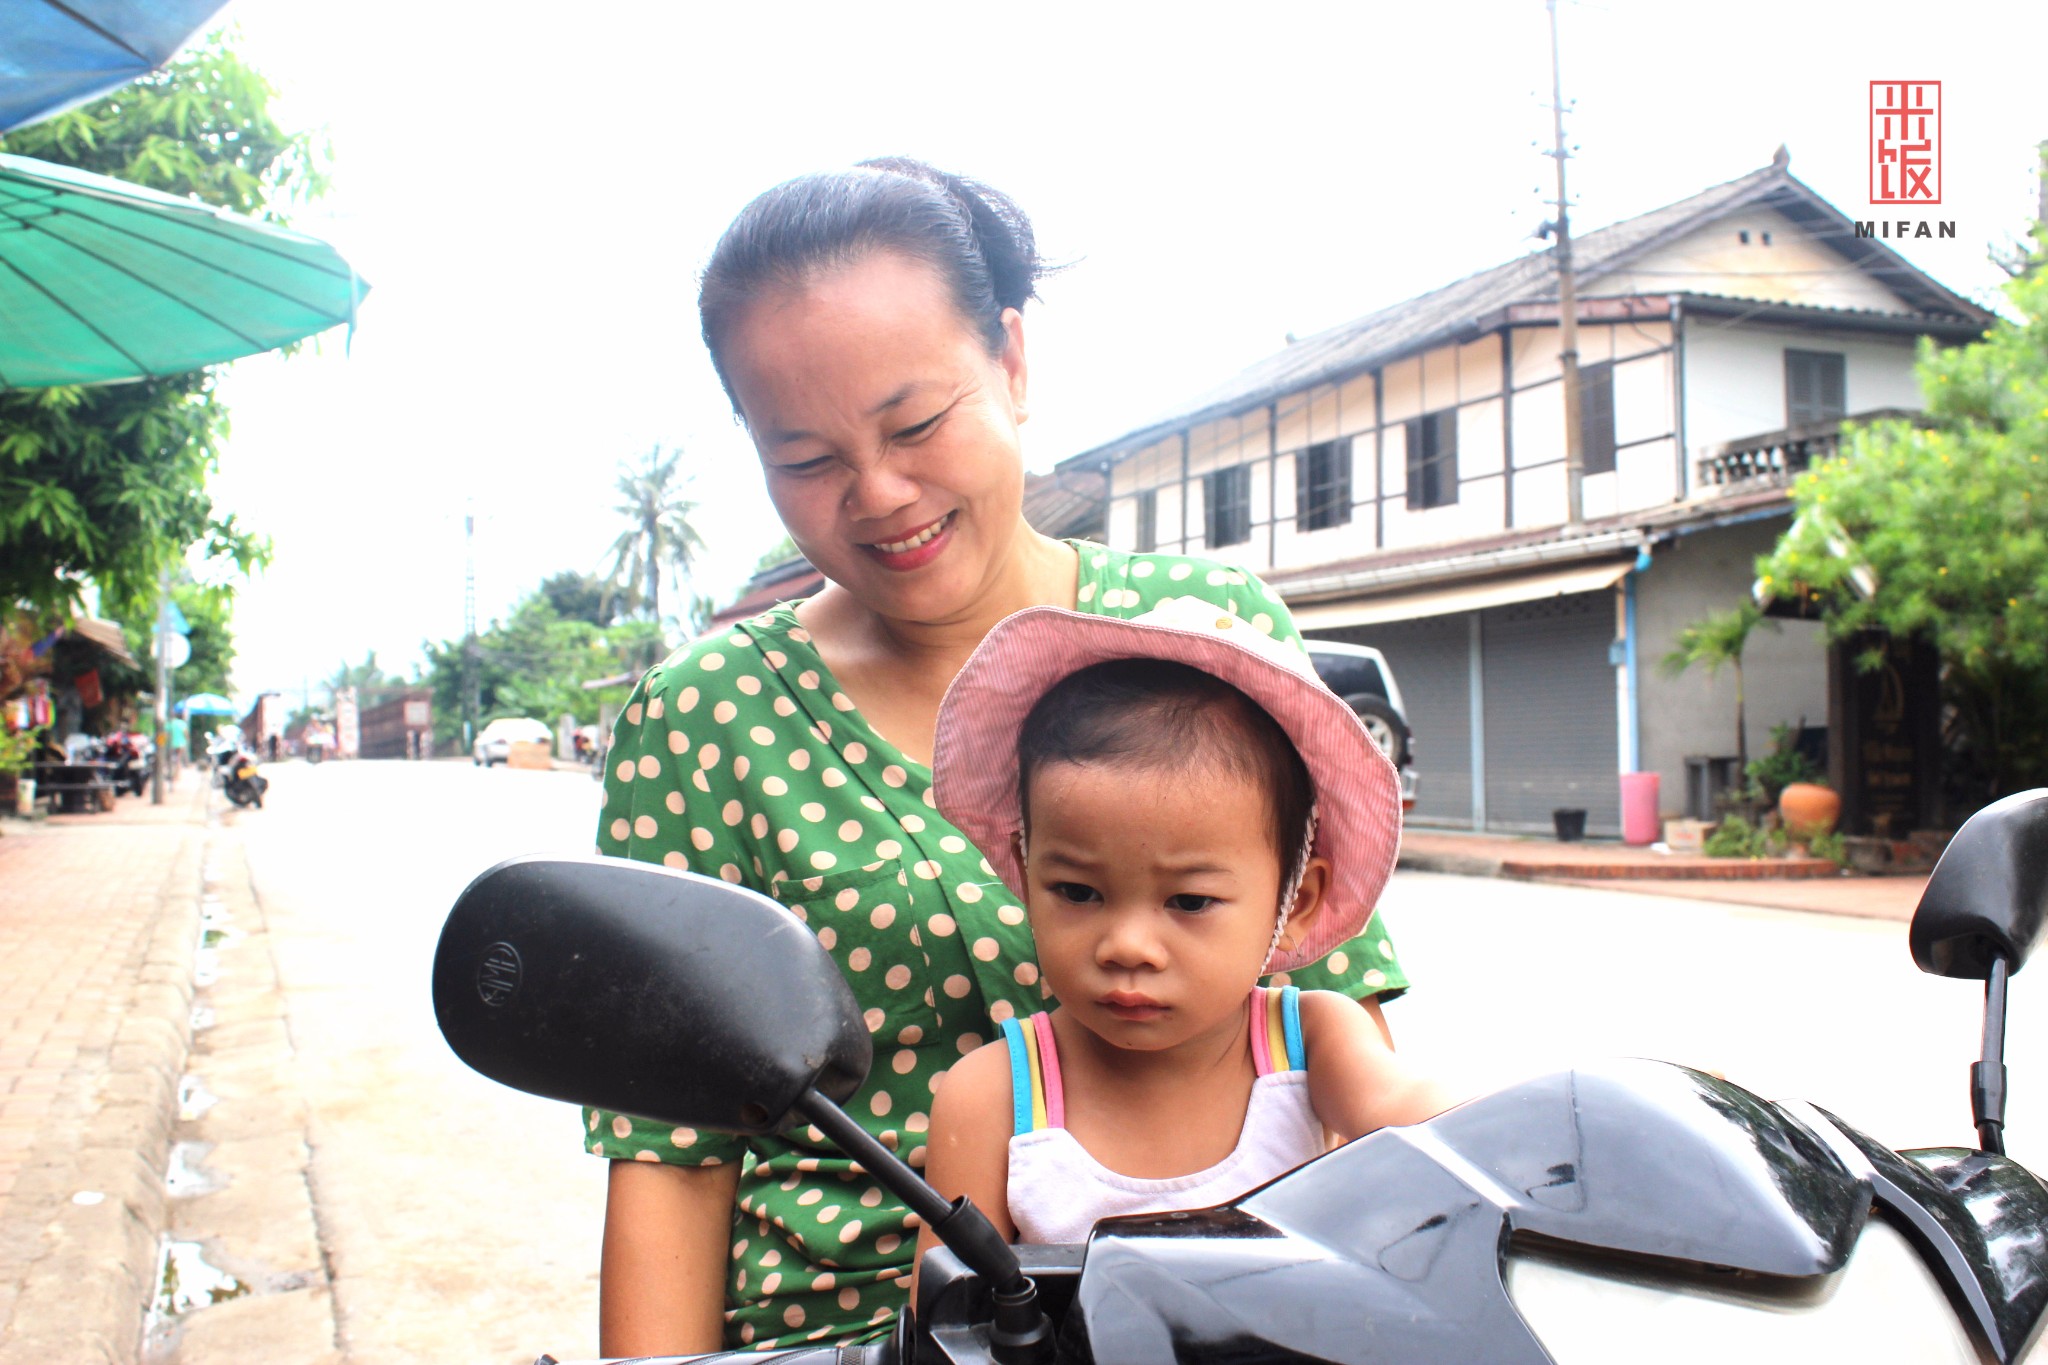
(17, 756)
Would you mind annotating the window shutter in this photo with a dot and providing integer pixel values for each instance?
(1417, 462)
(1305, 489)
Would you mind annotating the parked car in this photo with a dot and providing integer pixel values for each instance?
(1359, 674)
(494, 742)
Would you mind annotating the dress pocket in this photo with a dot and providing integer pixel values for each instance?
(863, 917)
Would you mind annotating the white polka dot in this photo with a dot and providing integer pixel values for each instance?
(872, 804)
(851, 1232)
(761, 734)
(849, 830)
(888, 848)
(686, 700)
(674, 801)
(914, 823)
(1010, 914)
(674, 859)
(897, 977)
(625, 770)
(942, 925)
(741, 766)
(1263, 624)
(849, 1297)
(645, 827)
(842, 702)
(856, 752)
(733, 813)
(697, 780)
(633, 714)
(987, 949)
(622, 1127)
(621, 829)
(800, 760)
(784, 706)
(731, 871)
(894, 776)
(812, 811)
(807, 679)
(748, 684)
(957, 987)
(683, 1137)
(968, 1042)
(832, 777)
(1026, 974)
(882, 916)
(1387, 949)
(701, 837)
(774, 786)
(707, 756)
(1215, 578)
(644, 1155)
(759, 825)
(724, 712)
(786, 840)
(829, 1214)
(1375, 977)
(1143, 568)
(711, 663)
(823, 860)
(678, 742)
(953, 843)
(655, 708)
(968, 892)
(927, 869)
(1340, 961)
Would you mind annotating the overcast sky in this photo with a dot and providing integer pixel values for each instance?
(531, 191)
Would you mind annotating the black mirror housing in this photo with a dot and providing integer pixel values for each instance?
(656, 993)
(1988, 896)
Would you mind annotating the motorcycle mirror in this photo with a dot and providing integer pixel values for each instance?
(1988, 896)
(651, 992)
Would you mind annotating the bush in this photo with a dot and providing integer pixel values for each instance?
(1781, 767)
(1830, 847)
(1736, 837)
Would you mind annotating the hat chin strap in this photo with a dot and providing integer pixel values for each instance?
(1288, 894)
(1292, 890)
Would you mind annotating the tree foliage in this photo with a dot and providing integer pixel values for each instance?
(1937, 529)
(108, 483)
(659, 539)
(1714, 641)
(208, 611)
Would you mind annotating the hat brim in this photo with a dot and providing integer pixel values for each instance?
(974, 755)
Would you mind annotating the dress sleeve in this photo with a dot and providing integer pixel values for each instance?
(662, 805)
(1366, 965)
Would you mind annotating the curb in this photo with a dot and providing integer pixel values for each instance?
(1456, 864)
(85, 1296)
(1535, 870)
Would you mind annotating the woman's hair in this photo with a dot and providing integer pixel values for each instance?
(1160, 717)
(976, 237)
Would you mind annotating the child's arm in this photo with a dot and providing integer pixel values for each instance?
(1355, 1081)
(968, 1149)
(667, 1240)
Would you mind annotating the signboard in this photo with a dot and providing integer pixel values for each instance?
(1884, 740)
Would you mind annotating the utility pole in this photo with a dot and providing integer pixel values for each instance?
(1567, 301)
(162, 641)
(469, 645)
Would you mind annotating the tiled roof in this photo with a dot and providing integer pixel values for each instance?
(1464, 309)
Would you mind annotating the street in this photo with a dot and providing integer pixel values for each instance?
(459, 1221)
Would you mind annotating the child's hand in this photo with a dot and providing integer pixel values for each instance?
(1356, 1082)
(968, 1149)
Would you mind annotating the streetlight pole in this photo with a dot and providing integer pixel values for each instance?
(162, 641)
(1567, 301)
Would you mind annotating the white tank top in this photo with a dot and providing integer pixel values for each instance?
(1057, 1190)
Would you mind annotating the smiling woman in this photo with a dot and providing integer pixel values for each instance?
(868, 327)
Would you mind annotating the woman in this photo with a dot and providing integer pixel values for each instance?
(868, 328)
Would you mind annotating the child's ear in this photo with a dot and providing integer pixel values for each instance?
(1308, 903)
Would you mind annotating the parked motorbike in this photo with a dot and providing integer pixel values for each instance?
(130, 756)
(1621, 1211)
(234, 770)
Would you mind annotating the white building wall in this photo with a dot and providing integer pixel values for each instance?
(1735, 377)
(1781, 261)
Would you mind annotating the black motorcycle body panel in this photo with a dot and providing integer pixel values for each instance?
(1392, 1247)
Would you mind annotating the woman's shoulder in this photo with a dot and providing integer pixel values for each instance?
(737, 660)
(1128, 583)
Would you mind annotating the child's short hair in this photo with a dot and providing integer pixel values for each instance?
(1160, 716)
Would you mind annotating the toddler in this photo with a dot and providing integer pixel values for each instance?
(1182, 808)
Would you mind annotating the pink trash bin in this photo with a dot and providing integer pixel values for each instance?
(1639, 822)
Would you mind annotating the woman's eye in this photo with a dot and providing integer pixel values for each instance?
(804, 466)
(1074, 893)
(920, 431)
(1191, 905)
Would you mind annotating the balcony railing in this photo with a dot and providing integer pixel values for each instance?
(1775, 457)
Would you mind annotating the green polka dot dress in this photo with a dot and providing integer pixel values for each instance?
(739, 757)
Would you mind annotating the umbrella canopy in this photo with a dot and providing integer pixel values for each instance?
(102, 280)
(57, 55)
(207, 704)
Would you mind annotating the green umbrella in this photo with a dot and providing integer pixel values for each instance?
(102, 280)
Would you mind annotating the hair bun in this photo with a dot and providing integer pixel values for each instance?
(1000, 230)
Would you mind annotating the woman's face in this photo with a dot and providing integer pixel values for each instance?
(888, 434)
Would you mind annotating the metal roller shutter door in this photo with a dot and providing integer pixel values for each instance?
(1551, 723)
(1430, 659)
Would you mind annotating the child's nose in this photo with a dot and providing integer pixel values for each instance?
(1130, 941)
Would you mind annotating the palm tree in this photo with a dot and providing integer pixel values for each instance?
(1714, 640)
(658, 535)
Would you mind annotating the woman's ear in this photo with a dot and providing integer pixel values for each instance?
(1308, 903)
(1013, 361)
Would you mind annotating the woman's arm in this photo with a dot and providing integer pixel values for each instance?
(667, 1240)
(968, 1149)
(1356, 1081)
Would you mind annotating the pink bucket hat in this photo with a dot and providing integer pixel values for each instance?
(1357, 793)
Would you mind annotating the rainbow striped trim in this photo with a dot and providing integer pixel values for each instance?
(1038, 1097)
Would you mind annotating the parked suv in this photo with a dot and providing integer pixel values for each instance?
(1359, 674)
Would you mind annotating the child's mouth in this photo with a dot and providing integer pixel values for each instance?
(1131, 1006)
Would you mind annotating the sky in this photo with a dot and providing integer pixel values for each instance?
(531, 195)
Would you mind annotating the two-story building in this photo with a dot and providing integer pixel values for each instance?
(1401, 481)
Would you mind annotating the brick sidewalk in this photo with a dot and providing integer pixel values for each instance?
(99, 918)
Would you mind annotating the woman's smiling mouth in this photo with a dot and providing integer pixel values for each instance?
(918, 548)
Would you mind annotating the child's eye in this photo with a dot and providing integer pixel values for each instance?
(1191, 905)
(1074, 893)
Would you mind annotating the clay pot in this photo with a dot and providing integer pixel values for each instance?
(1808, 809)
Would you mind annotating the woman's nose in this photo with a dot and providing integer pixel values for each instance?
(879, 490)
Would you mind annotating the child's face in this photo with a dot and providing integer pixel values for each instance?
(1152, 897)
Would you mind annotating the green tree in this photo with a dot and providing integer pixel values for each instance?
(1714, 641)
(209, 611)
(578, 597)
(780, 552)
(1937, 529)
(108, 483)
(659, 536)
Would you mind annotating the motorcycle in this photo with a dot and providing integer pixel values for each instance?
(130, 756)
(234, 770)
(1622, 1211)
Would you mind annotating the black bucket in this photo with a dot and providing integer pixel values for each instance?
(1571, 825)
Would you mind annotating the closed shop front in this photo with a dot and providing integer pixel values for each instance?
(1544, 728)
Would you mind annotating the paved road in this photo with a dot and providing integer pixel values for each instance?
(459, 1221)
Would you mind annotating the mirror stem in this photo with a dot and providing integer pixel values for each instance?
(1987, 1078)
(1021, 1333)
